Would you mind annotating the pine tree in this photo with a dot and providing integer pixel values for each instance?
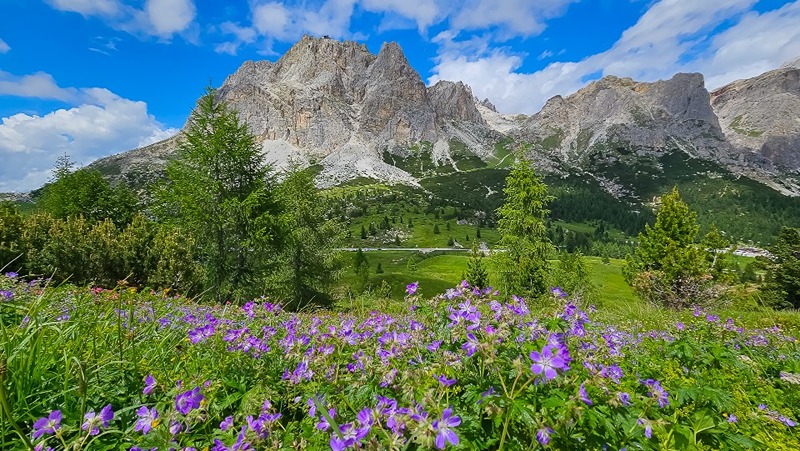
(478, 233)
(361, 270)
(363, 232)
(436, 229)
(309, 261)
(219, 192)
(379, 269)
(477, 276)
(668, 265)
(524, 268)
(718, 256)
(783, 272)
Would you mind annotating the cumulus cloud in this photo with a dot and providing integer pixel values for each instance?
(88, 8)
(4, 48)
(162, 18)
(39, 85)
(170, 16)
(102, 123)
(516, 17)
(672, 36)
(286, 21)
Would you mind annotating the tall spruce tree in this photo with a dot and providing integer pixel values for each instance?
(477, 276)
(523, 267)
(783, 271)
(309, 259)
(218, 190)
(668, 266)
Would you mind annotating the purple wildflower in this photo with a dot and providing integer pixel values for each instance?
(547, 363)
(412, 288)
(149, 384)
(94, 421)
(732, 418)
(12, 275)
(558, 292)
(188, 401)
(658, 392)
(444, 380)
(47, 425)
(584, 396)
(543, 435)
(648, 428)
(226, 424)
(471, 345)
(147, 418)
(6, 294)
(624, 398)
(443, 428)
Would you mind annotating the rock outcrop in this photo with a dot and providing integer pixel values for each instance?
(615, 116)
(336, 104)
(761, 116)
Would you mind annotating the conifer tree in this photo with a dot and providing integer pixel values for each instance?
(783, 272)
(523, 267)
(309, 261)
(219, 192)
(361, 270)
(477, 276)
(668, 266)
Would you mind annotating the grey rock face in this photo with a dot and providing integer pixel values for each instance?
(618, 115)
(338, 104)
(761, 116)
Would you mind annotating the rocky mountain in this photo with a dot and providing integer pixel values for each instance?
(338, 105)
(351, 113)
(761, 116)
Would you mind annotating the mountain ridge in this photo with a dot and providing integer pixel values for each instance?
(358, 114)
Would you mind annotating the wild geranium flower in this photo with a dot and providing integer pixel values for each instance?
(584, 396)
(412, 288)
(12, 275)
(558, 292)
(658, 392)
(5, 294)
(47, 425)
(444, 380)
(226, 424)
(543, 435)
(147, 419)
(188, 401)
(94, 421)
(149, 384)
(444, 429)
(732, 418)
(624, 398)
(546, 363)
(648, 428)
(471, 345)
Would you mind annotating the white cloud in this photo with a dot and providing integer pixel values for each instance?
(170, 16)
(4, 48)
(162, 18)
(89, 7)
(39, 85)
(102, 124)
(672, 36)
(272, 19)
(516, 17)
(423, 12)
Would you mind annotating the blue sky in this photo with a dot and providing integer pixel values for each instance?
(95, 77)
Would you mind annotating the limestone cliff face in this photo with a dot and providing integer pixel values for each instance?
(615, 116)
(761, 116)
(359, 114)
